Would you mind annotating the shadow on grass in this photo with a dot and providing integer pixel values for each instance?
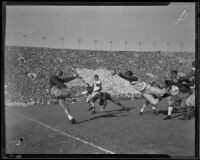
(180, 112)
(174, 111)
(108, 115)
(120, 110)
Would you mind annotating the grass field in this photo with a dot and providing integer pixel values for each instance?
(45, 129)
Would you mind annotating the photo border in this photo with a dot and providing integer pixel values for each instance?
(90, 156)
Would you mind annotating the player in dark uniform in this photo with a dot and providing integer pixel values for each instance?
(189, 79)
(129, 76)
(104, 97)
(178, 92)
(60, 91)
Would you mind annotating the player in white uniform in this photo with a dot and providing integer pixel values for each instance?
(97, 87)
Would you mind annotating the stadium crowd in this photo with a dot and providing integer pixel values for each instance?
(27, 69)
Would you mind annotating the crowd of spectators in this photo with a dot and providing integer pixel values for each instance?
(27, 69)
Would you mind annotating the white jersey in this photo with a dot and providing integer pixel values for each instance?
(140, 86)
(97, 86)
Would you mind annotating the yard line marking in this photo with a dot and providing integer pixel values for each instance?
(61, 132)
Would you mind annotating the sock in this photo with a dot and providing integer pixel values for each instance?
(170, 110)
(92, 105)
(70, 117)
(153, 107)
(143, 108)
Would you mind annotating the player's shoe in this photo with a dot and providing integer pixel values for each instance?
(141, 113)
(126, 109)
(90, 109)
(72, 121)
(167, 117)
(93, 112)
(155, 112)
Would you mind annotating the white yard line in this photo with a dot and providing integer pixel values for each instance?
(66, 134)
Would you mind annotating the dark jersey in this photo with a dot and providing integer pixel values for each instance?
(56, 81)
(184, 88)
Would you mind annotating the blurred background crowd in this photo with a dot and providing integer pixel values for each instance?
(28, 69)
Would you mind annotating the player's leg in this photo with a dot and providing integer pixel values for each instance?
(155, 90)
(113, 100)
(92, 104)
(186, 98)
(154, 109)
(65, 106)
(91, 99)
(153, 106)
(146, 103)
(103, 102)
(191, 103)
(150, 98)
(88, 101)
(172, 100)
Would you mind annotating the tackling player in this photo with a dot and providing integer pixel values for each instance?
(150, 93)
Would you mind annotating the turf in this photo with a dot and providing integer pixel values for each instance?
(114, 130)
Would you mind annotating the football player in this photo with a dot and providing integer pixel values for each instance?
(60, 91)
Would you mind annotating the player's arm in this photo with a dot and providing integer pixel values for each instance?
(68, 79)
(122, 76)
(58, 83)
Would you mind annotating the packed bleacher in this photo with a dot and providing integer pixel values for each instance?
(27, 69)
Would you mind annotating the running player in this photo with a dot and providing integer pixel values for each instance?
(60, 91)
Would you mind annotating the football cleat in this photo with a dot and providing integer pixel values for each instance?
(141, 113)
(154, 111)
(93, 112)
(72, 121)
(167, 117)
(90, 109)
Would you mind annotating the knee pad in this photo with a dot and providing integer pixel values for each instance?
(156, 101)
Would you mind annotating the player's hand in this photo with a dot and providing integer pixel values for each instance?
(113, 72)
(76, 75)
